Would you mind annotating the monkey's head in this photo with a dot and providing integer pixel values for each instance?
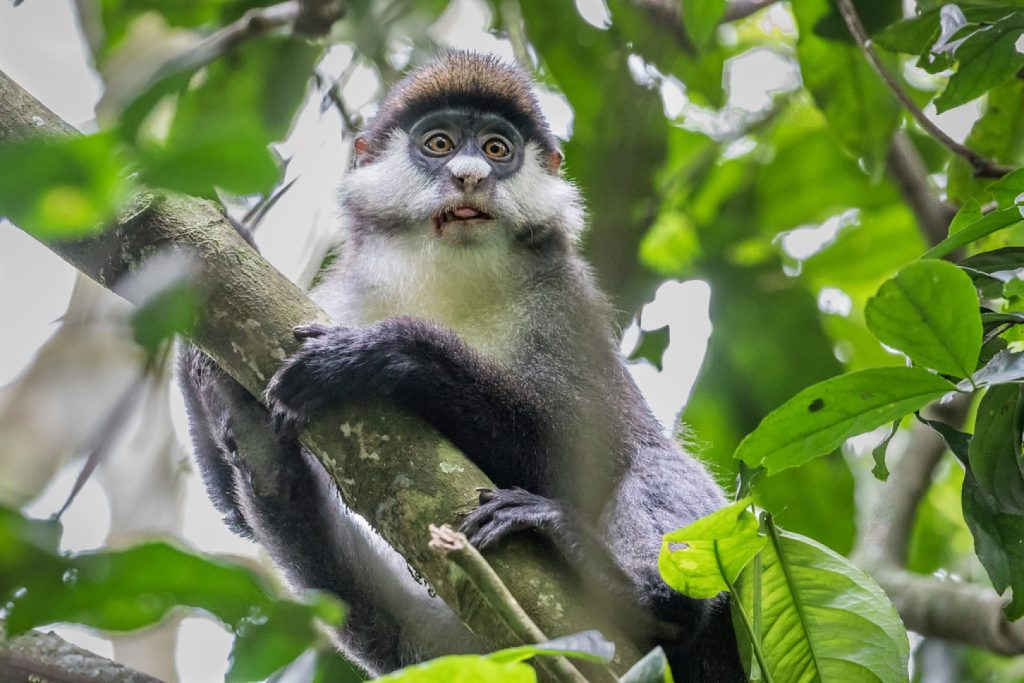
(460, 152)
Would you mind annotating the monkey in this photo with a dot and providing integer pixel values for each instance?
(460, 296)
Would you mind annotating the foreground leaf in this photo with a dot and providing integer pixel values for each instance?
(998, 542)
(589, 645)
(715, 549)
(929, 311)
(997, 220)
(463, 669)
(987, 58)
(819, 617)
(821, 417)
(995, 450)
(652, 668)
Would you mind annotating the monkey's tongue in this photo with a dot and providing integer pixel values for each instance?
(466, 213)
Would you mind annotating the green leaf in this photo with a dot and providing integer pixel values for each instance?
(30, 552)
(588, 645)
(651, 346)
(998, 542)
(880, 470)
(910, 36)
(820, 618)
(986, 58)
(462, 669)
(997, 220)
(957, 441)
(998, 135)
(715, 548)
(995, 450)
(62, 188)
(652, 668)
(929, 311)
(701, 18)
(821, 417)
(874, 15)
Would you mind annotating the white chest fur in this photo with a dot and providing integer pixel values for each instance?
(470, 290)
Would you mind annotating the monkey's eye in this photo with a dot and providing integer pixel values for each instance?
(496, 148)
(438, 143)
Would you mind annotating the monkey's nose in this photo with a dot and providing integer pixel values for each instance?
(467, 171)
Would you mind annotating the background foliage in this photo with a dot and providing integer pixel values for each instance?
(807, 215)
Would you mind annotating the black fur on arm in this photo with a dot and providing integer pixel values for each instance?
(491, 416)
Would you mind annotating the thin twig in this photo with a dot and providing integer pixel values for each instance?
(453, 545)
(982, 166)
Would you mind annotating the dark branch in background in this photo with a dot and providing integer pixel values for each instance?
(908, 170)
(741, 9)
(44, 657)
(982, 166)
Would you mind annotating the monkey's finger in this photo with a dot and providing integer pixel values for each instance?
(310, 330)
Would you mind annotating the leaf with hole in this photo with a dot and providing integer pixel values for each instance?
(821, 417)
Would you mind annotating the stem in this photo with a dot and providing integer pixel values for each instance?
(755, 640)
(982, 166)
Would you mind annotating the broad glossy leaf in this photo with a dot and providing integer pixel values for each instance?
(929, 311)
(821, 417)
(652, 668)
(701, 18)
(62, 188)
(986, 58)
(462, 669)
(711, 551)
(910, 36)
(821, 618)
(997, 220)
(995, 450)
(998, 542)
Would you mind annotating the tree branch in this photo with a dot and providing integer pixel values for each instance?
(908, 170)
(982, 166)
(44, 657)
(390, 468)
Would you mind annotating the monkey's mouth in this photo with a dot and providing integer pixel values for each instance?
(457, 214)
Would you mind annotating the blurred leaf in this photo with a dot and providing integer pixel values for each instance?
(30, 552)
(940, 538)
(821, 417)
(819, 618)
(861, 111)
(652, 668)
(998, 542)
(462, 669)
(586, 645)
(62, 188)
(652, 346)
(957, 441)
(715, 548)
(880, 471)
(997, 135)
(276, 636)
(929, 311)
(701, 18)
(174, 310)
(986, 58)
(910, 36)
(995, 450)
(331, 667)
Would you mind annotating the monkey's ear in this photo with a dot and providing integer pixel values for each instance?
(555, 161)
(362, 149)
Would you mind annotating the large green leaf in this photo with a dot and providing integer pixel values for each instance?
(929, 311)
(62, 188)
(652, 668)
(714, 549)
(998, 135)
(821, 417)
(986, 58)
(817, 617)
(998, 542)
(997, 220)
(462, 669)
(995, 450)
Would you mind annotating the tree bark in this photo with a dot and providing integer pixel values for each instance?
(390, 468)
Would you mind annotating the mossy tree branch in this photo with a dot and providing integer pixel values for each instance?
(390, 468)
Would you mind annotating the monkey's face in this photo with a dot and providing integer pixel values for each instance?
(462, 177)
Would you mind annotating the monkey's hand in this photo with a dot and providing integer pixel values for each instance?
(335, 365)
(506, 511)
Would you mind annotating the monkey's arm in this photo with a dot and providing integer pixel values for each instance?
(427, 370)
(274, 492)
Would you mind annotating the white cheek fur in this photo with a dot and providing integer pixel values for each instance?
(532, 196)
(392, 185)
